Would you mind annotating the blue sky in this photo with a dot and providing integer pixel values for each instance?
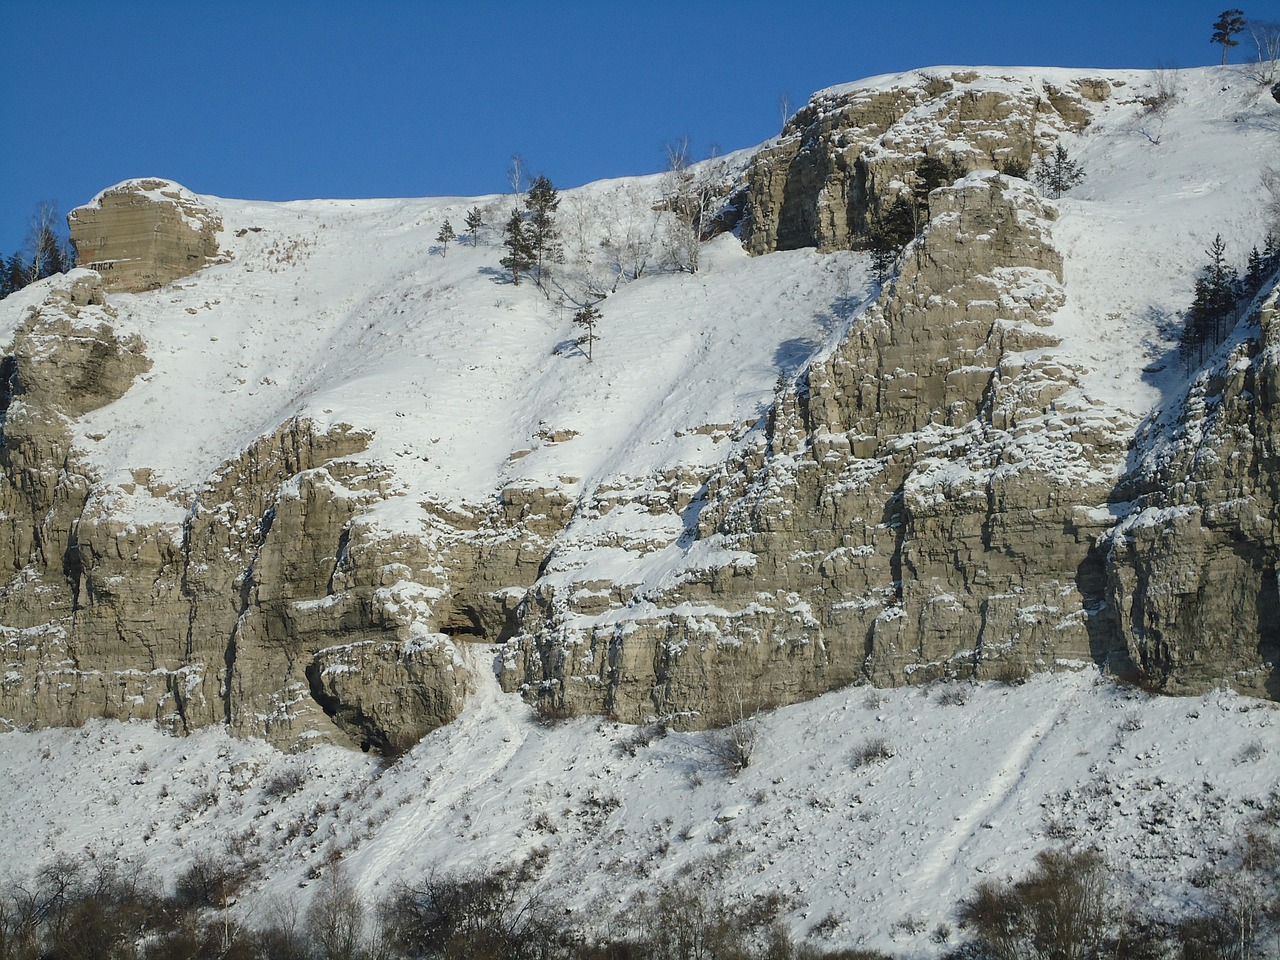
(317, 98)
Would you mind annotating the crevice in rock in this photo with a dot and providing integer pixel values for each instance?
(8, 387)
(180, 704)
(463, 622)
(340, 555)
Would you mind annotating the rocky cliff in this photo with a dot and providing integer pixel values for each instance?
(372, 461)
(912, 507)
(142, 234)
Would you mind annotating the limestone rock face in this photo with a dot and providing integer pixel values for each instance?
(910, 509)
(844, 156)
(933, 496)
(143, 234)
(1192, 570)
(242, 609)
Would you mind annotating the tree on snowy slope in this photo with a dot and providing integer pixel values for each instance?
(541, 230)
(1230, 23)
(1216, 297)
(1058, 173)
(689, 196)
(587, 318)
(520, 253)
(446, 235)
(474, 221)
(43, 254)
(1266, 44)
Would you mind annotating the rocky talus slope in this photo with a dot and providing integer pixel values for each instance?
(935, 492)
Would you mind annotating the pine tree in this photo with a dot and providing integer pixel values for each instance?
(889, 233)
(931, 173)
(1222, 287)
(1216, 297)
(1230, 22)
(474, 221)
(445, 235)
(1255, 272)
(520, 255)
(587, 318)
(1058, 173)
(8, 277)
(542, 201)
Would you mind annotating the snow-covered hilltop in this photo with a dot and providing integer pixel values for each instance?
(273, 465)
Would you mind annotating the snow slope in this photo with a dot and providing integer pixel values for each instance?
(877, 854)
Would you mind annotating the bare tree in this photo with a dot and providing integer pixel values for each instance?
(46, 254)
(1271, 186)
(1164, 94)
(335, 918)
(1266, 43)
(515, 174)
(784, 110)
(688, 193)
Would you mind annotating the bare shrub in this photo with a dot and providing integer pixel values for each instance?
(1013, 673)
(284, 783)
(1251, 752)
(875, 750)
(212, 880)
(954, 694)
(552, 711)
(639, 738)
(1060, 909)
(734, 745)
(467, 915)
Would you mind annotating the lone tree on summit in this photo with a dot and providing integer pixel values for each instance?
(1229, 24)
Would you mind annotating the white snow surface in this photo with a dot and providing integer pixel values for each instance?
(345, 311)
(971, 791)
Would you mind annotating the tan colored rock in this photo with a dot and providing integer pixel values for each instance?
(844, 157)
(142, 234)
(909, 511)
(1192, 571)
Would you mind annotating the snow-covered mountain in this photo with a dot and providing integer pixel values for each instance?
(304, 472)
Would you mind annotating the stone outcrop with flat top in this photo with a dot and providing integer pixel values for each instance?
(142, 234)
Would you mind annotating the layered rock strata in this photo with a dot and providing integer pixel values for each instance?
(910, 509)
(143, 234)
(1192, 567)
(934, 496)
(847, 154)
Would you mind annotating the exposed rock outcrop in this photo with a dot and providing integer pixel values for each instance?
(911, 508)
(845, 155)
(934, 495)
(1192, 569)
(142, 234)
